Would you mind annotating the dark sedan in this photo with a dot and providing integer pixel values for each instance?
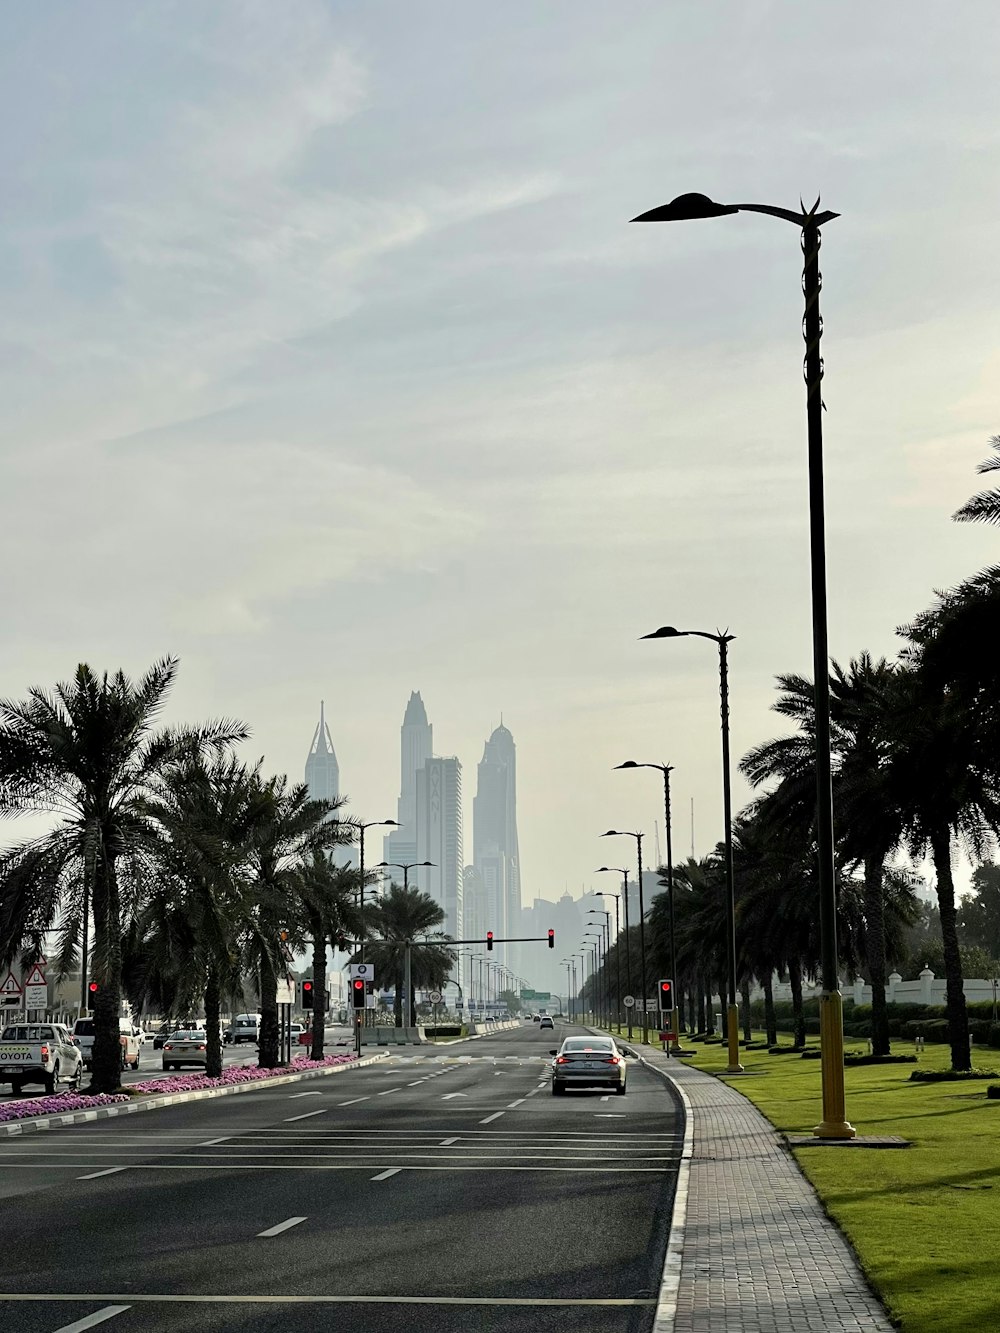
(589, 1062)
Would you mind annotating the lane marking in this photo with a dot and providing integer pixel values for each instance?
(495, 1116)
(354, 1100)
(293, 1095)
(305, 1115)
(339, 1164)
(417, 1084)
(191, 1299)
(92, 1320)
(448, 1095)
(393, 1170)
(446, 1143)
(511, 1105)
(388, 1090)
(109, 1171)
(605, 1099)
(210, 1143)
(282, 1226)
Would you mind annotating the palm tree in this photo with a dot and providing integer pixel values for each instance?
(984, 507)
(285, 828)
(326, 894)
(88, 753)
(404, 919)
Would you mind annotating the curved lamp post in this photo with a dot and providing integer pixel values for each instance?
(616, 833)
(605, 926)
(373, 823)
(732, 1013)
(666, 770)
(689, 207)
(628, 954)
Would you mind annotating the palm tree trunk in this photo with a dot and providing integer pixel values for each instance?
(745, 997)
(770, 1019)
(958, 1017)
(798, 1017)
(269, 1036)
(106, 1061)
(875, 952)
(700, 1016)
(213, 1033)
(319, 987)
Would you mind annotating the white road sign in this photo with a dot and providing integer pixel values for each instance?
(36, 997)
(286, 991)
(36, 977)
(10, 992)
(366, 971)
(628, 1001)
(435, 997)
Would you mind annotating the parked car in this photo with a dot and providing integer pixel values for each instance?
(246, 1027)
(589, 1062)
(42, 1053)
(297, 1033)
(185, 1047)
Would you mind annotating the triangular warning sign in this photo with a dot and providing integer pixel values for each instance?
(10, 985)
(36, 977)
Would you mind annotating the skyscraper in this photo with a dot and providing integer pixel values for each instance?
(439, 837)
(415, 747)
(495, 854)
(322, 769)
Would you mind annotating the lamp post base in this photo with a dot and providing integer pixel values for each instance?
(831, 1036)
(733, 1030)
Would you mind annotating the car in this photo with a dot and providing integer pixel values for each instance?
(42, 1053)
(536, 1018)
(296, 1033)
(246, 1027)
(188, 1046)
(545, 1022)
(83, 1037)
(590, 1062)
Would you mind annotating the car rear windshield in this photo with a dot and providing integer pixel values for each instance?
(84, 1027)
(587, 1044)
(187, 1036)
(27, 1034)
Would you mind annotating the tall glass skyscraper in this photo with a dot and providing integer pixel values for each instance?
(416, 743)
(495, 855)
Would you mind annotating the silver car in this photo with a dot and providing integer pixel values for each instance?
(589, 1062)
(185, 1048)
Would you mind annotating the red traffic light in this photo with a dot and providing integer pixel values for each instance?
(489, 939)
(93, 987)
(552, 939)
(307, 995)
(358, 993)
(307, 986)
(666, 994)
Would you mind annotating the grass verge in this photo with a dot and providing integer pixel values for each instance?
(925, 1220)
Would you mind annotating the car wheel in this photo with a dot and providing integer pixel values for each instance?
(557, 1089)
(50, 1080)
(620, 1089)
(135, 1063)
(166, 1067)
(16, 1087)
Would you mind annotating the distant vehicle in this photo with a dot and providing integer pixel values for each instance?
(185, 1047)
(536, 1018)
(83, 1036)
(297, 1033)
(545, 1022)
(42, 1053)
(589, 1062)
(245, 1027)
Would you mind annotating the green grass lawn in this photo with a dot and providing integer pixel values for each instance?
(924, 1220)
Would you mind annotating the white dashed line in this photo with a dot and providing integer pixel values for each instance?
(446, 1143)
(386, 1174)
(511, 1105)
(304, 1094)
(282, 1226)
(354, 1100)
(111, 1170)
(305, 1115)
(495, 1116)
(210, 1143)
(388, 1090)
(92, 1320)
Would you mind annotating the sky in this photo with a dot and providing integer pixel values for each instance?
(330, 363)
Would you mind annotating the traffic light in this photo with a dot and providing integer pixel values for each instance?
(552, 939)
(489, 939)
(93, 987)
(307, 995)
(666, 995)
(358, 993)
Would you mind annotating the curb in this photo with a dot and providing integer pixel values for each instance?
(56, 1121)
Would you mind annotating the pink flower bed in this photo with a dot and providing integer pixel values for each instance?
(238, 1074)
(76, 1101)
(64, 1102)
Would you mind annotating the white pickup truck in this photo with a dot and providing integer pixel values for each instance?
(39, 1053)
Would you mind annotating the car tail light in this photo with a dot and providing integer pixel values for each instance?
(201, 1048)
(561, 1060)
(167, 1046)
(612, 1060)
(45, 1052)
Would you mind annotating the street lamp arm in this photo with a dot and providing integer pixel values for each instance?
(693, 206)
(668, 632)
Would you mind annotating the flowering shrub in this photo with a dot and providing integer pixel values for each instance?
(63, 1102)
(76, 1101)
(238, 1074)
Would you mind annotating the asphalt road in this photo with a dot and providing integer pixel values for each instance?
(443, 1189)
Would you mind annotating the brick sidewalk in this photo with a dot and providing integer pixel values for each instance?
(757, 1254)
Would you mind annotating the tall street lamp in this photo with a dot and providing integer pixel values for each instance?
(396, 865)
(595, 946)
(723, 640)
(616, 833)
(618, 950)
(628, 939)
(605, 926)
(666, 770)
(809, 221)
(569, 994)
(372, 823)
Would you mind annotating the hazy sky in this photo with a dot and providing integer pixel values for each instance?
(330, 363)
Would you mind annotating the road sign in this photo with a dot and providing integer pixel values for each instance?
(36, 997)
(36, 977)
(286, 991)
(366, 971)
(668, 1036)
(10, 992)
(435, 997)
(628, 1001)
